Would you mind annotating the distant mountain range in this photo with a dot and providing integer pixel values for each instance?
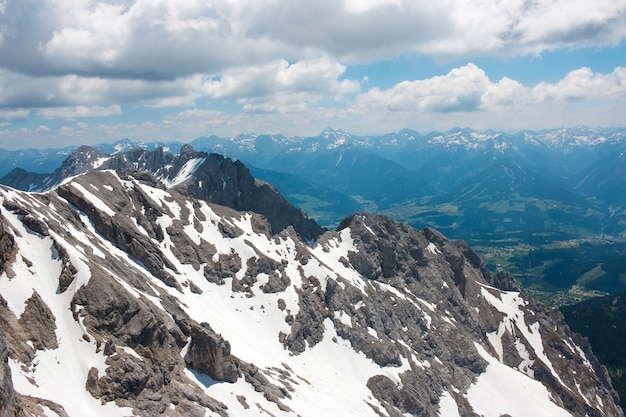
(491, 188)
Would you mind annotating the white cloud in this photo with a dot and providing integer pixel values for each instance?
(362, 6)
(468, 89)
(584, 84)
(315, 75)
(170, 39)
(143, 39)
(459, 90)
(284, 64)
(19, 90)
(446, 28)
(14, 114)
(79, 111)
(283, 87)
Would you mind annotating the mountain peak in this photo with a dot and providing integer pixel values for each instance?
(331, 132)
(187, 150)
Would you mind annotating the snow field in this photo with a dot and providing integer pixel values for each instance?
(74, 356)
(531, 398)
(510, 304)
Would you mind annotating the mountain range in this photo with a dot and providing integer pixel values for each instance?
(177, 284)
(569, 177)
(514, 197)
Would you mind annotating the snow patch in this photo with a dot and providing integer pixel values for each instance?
(447, 406)
(99, 204)
(432, 248)
(510, 303)
(185, 172)
(531, 397)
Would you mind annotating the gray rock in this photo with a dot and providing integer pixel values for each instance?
(9, 401)
(7, 247)
(39, 323)
(210, 354)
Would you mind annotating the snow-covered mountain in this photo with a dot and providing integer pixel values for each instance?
(210, 177)
(123, 293)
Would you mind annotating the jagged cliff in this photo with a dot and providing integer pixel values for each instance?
(209, 177)
(123, 294)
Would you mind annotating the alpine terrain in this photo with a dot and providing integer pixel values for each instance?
(544, 205)
(144, 283)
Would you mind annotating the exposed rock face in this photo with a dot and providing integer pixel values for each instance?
(397, 255)
(39, 323)
(7, 247)
(83, 159)
(9, 404)
(117, 228)
(229, 183)
(168, 305)
(210, 354)
(208, 177)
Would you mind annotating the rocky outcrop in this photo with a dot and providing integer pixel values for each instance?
(9, 402)
(210, 354)
(228, 183)
(116, 228)
(427, 266)
(216, 179)
(39, 323)
(7, 247)
(151, 376)
(83, 159)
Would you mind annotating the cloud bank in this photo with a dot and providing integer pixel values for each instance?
(250, 63)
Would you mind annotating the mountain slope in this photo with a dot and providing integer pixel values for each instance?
(603, 321)
(209, 177)
(353, 171)
(81, 160)
(329, 206)
(220, 180)
(120, 297)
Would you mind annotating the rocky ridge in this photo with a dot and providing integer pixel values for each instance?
(208, 177)
(164, 304)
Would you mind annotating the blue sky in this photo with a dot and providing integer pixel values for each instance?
(86, 71)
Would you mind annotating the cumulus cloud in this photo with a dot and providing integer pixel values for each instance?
(469, 89)
(308, 81)
(170, 39)
(148, 40)
(460, 90)
(14, 114)
(282, 87)
(281, 77)
(79, 112)
(584, 84)
(19, 90)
